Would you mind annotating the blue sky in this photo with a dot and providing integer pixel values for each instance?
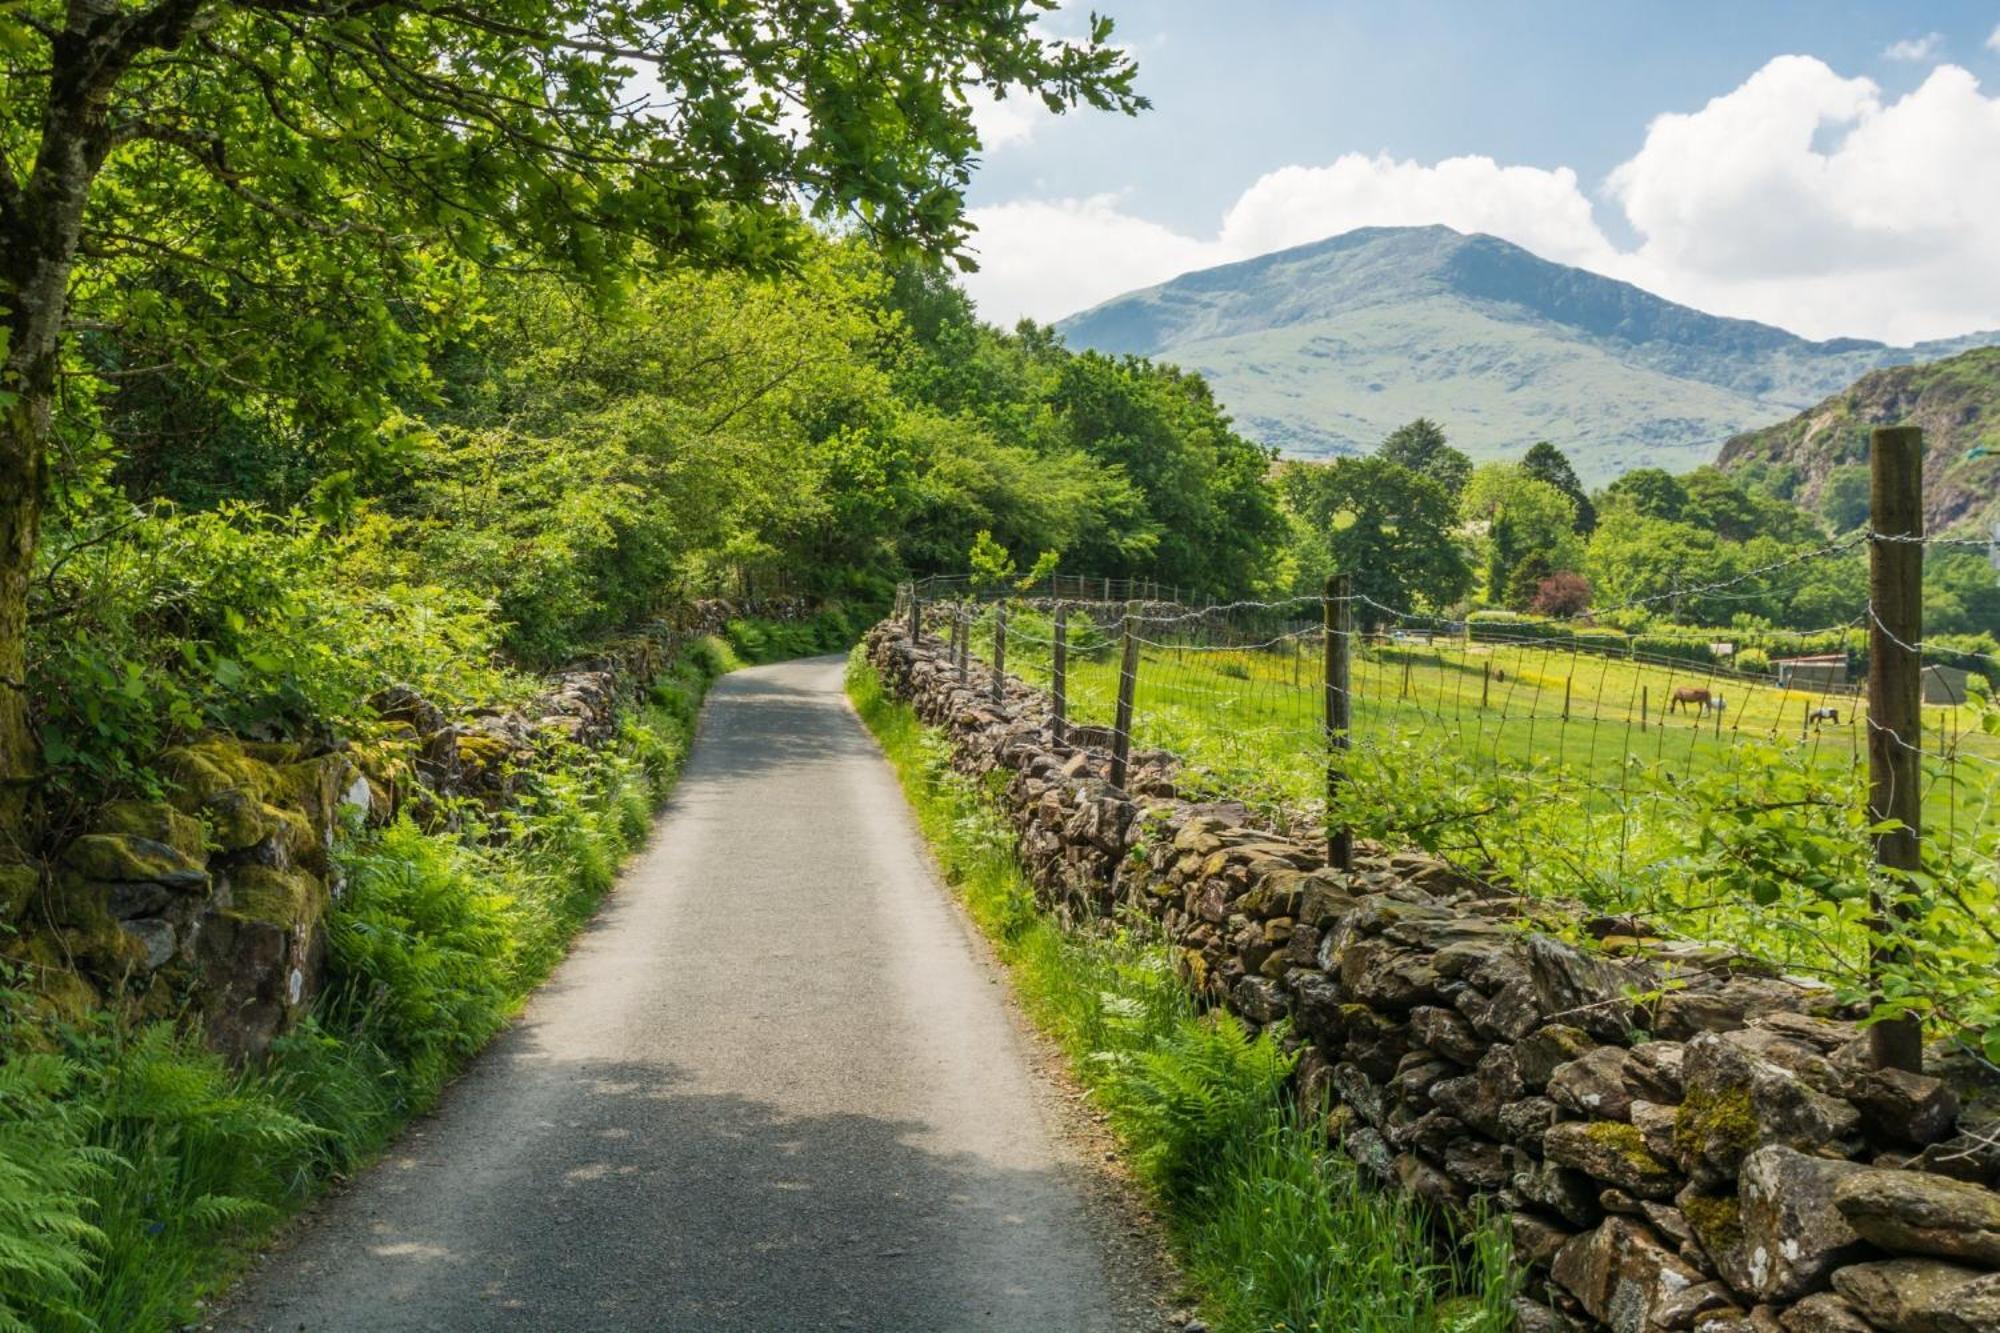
(1244, 91)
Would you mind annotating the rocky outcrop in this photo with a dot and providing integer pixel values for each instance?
(1677, 1137)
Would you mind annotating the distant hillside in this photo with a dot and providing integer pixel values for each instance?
(1956, 401)
(1326, 348)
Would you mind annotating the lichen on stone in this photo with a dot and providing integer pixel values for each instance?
(1715, 1125)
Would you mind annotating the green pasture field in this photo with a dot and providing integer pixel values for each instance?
(1568, 772)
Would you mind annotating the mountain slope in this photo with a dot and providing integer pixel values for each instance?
(1325, 348)
(1956, 401)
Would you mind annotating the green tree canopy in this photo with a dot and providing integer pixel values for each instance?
(284, 196)
(1545, 462)
(1421, 447)
(1389, 528)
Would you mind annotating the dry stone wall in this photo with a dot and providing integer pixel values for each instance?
(214, 900)
(1676, 1137)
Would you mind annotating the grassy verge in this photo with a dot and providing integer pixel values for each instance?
(137, 1168)
(1274, 1230)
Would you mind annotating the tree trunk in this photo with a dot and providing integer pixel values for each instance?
(24, 426)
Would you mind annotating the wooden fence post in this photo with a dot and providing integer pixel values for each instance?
(1059, 672)
(1128, 689)
(999, 651)
(1895, 703)
(916, 616)
(1486, 687)
(1336, 615)
(1568, 681)
(964, 618)
(1645, 705)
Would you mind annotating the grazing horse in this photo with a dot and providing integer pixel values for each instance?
(1697, 697)
(1816, 716)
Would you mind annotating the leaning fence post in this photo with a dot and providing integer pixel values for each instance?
(1059, 672)
(963, 615)
(916, 616)
(1128, 688)
(1895, 704)
(999, 651)
(1337, 618)
(1645, 705)
(1485, 687)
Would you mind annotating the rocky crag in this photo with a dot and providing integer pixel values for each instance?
(1677, 1138)
(213, 901)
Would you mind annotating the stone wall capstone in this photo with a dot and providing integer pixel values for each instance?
(1677, 1137)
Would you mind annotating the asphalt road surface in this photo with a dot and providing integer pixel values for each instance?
(777, 1086)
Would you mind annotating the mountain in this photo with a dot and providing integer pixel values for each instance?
(1326, 348)
(1820, 456)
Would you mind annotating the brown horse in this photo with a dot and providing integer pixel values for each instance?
(1694, 696)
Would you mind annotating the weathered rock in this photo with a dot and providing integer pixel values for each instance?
(1900, 1106)
(1613, 1152)
(1568, 1193)
(1910, 1212)
(153, 820)
(1622, 1275)
(1371, 1153)
(1447, 1033)
(1736, 1102)
(1682, 1308)
(1416, 1177)
(1654, 1072)
(1376, 972)
(1824, 1312)
(1539, 1054)
(1792, 1236)
(129, 858)
(1594, 1084)
(1535, 1239)
(155, 936)
(1526, 1120)
(1586, 990)
(1922, 1296)
(1259, 999)
(1655, 1124)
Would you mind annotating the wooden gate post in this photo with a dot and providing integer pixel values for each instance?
(1059, 670)
(1337, 617)
(1128, 689)
(1895, 703)
(999, 651)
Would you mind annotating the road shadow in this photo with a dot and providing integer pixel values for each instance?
(659, 1208)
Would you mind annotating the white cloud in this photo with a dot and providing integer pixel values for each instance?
(1926, 47)
(1049, 258)
(1801, 198)
(1993, 39)
(1004, 122)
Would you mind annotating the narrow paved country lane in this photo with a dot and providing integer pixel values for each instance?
(777, 1086)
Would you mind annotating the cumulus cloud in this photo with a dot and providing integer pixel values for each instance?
(1801, 198)
(1918, 49)
(1993, 39)
(1050, 258)
(1004, 122)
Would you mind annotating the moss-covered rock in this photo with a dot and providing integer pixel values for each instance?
(157, 820)
(131, 858)
(290, 899)
(17, 889)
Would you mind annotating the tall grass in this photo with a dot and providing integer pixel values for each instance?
(1272, 1227)
(137, 1167)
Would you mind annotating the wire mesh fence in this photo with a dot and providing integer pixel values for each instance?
(1711, 792)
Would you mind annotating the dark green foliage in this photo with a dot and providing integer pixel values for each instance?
(1388, 528)
(1421, 447)
(1650, 492)
(1545, 462)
